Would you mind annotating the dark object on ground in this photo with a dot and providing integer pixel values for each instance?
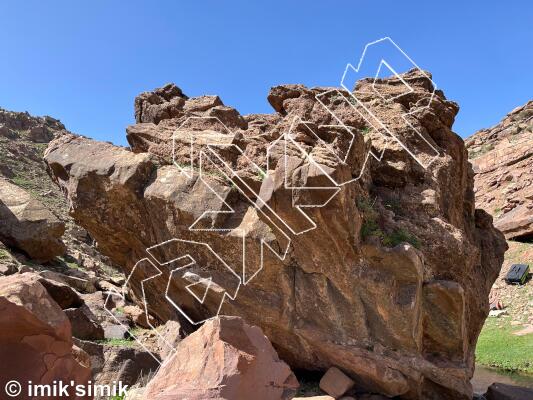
(517, 274)
(501, 391)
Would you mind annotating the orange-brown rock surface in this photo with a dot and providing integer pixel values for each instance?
(502, 157)
(369, 252)
(35, 339)
(225, 359)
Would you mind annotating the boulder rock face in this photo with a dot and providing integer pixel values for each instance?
(345, 229)
(25, 223)
(36, 341)
(224, 359)
(111, 364)
(502, 157)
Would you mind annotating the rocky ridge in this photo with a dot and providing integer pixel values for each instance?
(502, 157)
(391, 283)
(23, 139)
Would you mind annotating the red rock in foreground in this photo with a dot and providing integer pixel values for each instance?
(224, 359)
(36, 340)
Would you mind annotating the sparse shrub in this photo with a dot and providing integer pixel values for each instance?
(365, 206)
(261, 175)
(69, 262)
(370, 228)
(22, 182)
(366, 130)
(393, 205)
(400, 236)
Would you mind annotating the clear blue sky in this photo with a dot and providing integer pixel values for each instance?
(84, 61)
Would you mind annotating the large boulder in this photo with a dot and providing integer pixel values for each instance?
(25, 223)
(224, 359)
(502, 157)
(35, 337)
(84, 323)
(348, 245)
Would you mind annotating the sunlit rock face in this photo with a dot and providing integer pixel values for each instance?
(502, 157)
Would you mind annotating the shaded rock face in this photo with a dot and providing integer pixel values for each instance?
(502, 157)
(36, 344)
(386, 277)
(224, 359)
(501, 391)
(114, 364)
(25, 223)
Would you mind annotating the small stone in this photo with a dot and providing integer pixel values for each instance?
(115, 332)
(138, 317)
(500, 391)
(84, 324)
(335, 382)
(8, 269)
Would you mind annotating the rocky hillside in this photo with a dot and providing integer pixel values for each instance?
(502, 157)
(57, 321)
(318, 223)
(26, 182)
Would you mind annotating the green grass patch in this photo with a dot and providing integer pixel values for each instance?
(370, 228)
(366, 130)
(498, 347)
(118, 342)
(400, 236)
(22, 182)
(67, 261)
(4, 254)
(261, 175)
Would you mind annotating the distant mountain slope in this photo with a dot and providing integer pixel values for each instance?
(23, 139)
